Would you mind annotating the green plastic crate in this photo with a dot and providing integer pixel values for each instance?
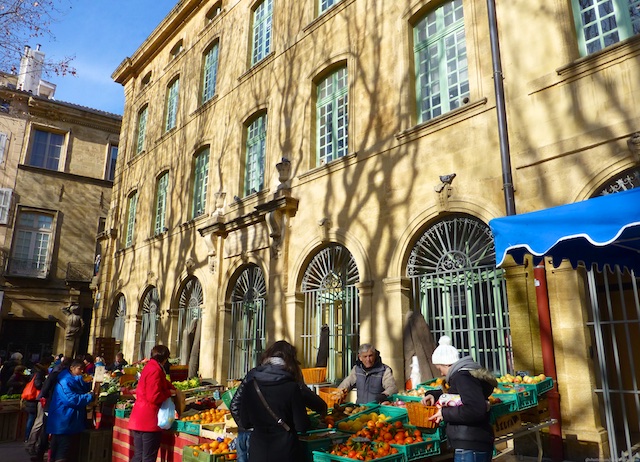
(526, 398)
(540, 387)
(122, 413)
(320, 441)
(227, 396)
(418, 451)
(190, 428)
(371, 407)
(405, 398)
(326, 457)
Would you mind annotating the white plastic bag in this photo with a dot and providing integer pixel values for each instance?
(166, 414)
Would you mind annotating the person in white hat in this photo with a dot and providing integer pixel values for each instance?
(464, 408)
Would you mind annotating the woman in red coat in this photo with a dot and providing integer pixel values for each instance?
(153, 388)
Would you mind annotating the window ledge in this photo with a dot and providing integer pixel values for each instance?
(257, 66)
(470, 109)
(333, 166)
(624, 49)
(204, 106)
(327, 15)
(194, 221)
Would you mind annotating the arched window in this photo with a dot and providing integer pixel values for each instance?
(331, 299)
(189, 312)
(150, 315)
(119, 318)
(459, 290)
(248, 307)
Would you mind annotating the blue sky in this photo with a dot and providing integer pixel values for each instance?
(100, 34)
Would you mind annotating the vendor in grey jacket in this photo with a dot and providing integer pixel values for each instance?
(466, 409)
(373, 380)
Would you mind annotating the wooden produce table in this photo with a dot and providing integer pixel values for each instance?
(171, 444)
(531, 430)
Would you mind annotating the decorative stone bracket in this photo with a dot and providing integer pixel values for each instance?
(634, 145)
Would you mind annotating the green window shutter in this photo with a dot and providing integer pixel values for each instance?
(256, 149)
(440, 51)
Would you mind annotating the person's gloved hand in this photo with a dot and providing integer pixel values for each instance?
(381, 397)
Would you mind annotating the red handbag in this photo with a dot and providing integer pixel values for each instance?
(30, 392)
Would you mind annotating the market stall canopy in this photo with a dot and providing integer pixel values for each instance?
(604, 231)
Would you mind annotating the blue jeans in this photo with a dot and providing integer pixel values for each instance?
(31, 418)
(242, 446)
(467, 455)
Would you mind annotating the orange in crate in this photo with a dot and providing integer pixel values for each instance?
(331, 396)
(419, 414)
(314, 375)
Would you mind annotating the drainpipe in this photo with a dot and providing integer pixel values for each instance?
(542, 296)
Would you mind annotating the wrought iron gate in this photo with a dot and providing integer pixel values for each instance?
(331, 298)
(460, 292)
(189, 310)
(149, 329)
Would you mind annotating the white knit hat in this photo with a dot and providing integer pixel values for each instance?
(446, 354)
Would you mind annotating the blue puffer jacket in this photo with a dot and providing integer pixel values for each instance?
(67, 411)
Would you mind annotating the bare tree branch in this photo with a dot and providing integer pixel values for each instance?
(24, 21)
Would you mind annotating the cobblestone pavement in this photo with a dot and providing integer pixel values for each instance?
(13, 452)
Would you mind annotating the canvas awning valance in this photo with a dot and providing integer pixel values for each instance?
(604, 231)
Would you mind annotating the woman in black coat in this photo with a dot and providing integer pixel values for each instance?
(274, 437)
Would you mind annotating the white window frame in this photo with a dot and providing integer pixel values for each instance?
(332, 117)
(256, 152)
(141, 132)
(172, 104)
(604, 23)
(324, 5)
(6, 197)
(4, 144)
(441, 64)
(162, 189)
(210, 72)
(132, 204)
(200, 183)
(262, 31)
(50, 149)
(38, 242)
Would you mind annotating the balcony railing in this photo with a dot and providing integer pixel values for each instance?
(28, 268)
(79, 272)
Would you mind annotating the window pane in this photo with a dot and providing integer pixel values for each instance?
(172, 104)
(142, 128)
(31, 246)
(131, 219)
(111, 162)
(256, 148)
(161, 203)
(262, 18)
(46, 149)
(210, 74)
(326, 4)
(441, 61)
(602, 23)
(201, 177)
(332, 114)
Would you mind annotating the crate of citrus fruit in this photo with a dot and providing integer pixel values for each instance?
(191, 424)
(218, 450)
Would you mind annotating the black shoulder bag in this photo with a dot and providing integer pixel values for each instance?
(266, 405)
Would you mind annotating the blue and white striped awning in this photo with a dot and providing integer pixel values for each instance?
(604, 231)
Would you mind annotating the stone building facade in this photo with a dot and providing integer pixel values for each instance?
(57, 162)
(290, 165)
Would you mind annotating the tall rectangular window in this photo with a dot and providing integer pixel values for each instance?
(4, 138)
(172, 105)
(332, 114)
(440, 52)
(325, 5)
(46, 149)
(142, 129)
(210, 73)
(162, 187)
(111, 162)
(262, 19)
(33, 237)
(600, 23)
(256, 147)
(5, 205)
(131, 219)
(200, 179)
